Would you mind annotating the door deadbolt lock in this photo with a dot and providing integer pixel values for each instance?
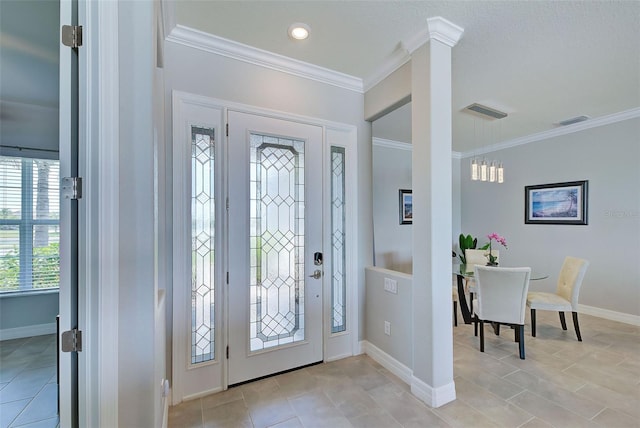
(317, 259)
(317, 274)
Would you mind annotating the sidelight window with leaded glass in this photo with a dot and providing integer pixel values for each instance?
(202, 245)
(338, 249)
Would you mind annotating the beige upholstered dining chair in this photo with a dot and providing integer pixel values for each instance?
(566, 296)
(502, 295)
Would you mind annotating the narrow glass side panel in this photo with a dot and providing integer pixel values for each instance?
(202, 245)
(276, 238)
(338, 250)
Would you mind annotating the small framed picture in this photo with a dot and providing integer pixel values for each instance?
(557, 203)
(406, 206)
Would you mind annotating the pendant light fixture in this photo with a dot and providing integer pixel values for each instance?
(474, 169)
(482, 171)
(493, 172)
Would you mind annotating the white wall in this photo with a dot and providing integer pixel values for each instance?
(392, 240)
(29, 104)
(138, 388)
(392, 171)
(29, 63)
(607, 156)
(28, 315)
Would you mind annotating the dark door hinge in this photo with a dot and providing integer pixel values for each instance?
(227, 352)
(227, 129)
(72, 36)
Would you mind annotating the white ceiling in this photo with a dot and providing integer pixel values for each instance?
(540, 61)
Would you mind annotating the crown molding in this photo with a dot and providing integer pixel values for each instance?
(392, 144)
(438, 28)
(444, 31)
(552, 133)
(414, 42)
(541, 136)
(168, 12)
(217, 45)
(399, 145)
(399, 58)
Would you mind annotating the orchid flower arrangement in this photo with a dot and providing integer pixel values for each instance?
(493, 260)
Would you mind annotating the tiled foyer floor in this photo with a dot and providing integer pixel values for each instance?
(28, 389)
(562, 383)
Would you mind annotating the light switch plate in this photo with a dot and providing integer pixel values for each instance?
(391, 285)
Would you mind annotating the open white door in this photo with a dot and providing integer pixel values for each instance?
(68, 117)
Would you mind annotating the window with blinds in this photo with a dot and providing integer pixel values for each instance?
(29, 224)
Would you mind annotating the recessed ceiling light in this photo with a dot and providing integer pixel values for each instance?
(299, 31)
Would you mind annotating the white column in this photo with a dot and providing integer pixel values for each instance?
(432, 208)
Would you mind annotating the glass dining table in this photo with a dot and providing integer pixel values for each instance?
(463, 272)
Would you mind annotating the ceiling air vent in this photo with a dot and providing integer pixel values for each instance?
(573, 120)
(486, 111)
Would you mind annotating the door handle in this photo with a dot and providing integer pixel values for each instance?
(317, 274)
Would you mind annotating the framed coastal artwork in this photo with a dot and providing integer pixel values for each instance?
(556, 203)
(406, 206)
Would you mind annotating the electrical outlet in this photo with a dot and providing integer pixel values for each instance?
(387, 328)
(391, 285)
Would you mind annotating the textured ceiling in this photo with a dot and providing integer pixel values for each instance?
(540, 61)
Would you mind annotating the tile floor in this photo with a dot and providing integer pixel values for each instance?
(562, 383)
(28, 389)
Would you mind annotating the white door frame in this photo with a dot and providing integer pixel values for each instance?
(337, 345)
(98, 222)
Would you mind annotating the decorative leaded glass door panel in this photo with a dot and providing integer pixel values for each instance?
(275, 227)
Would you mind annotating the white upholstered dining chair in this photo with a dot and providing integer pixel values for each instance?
(476, 258)
(566, 296)
(501, 299)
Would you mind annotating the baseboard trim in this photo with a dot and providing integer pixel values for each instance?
(27, 331)
(609, 315)
(202, 394)
(434, 397)
(165, 408)
(387, 361)
(338, 357)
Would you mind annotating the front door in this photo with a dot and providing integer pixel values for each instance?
(274, 245)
